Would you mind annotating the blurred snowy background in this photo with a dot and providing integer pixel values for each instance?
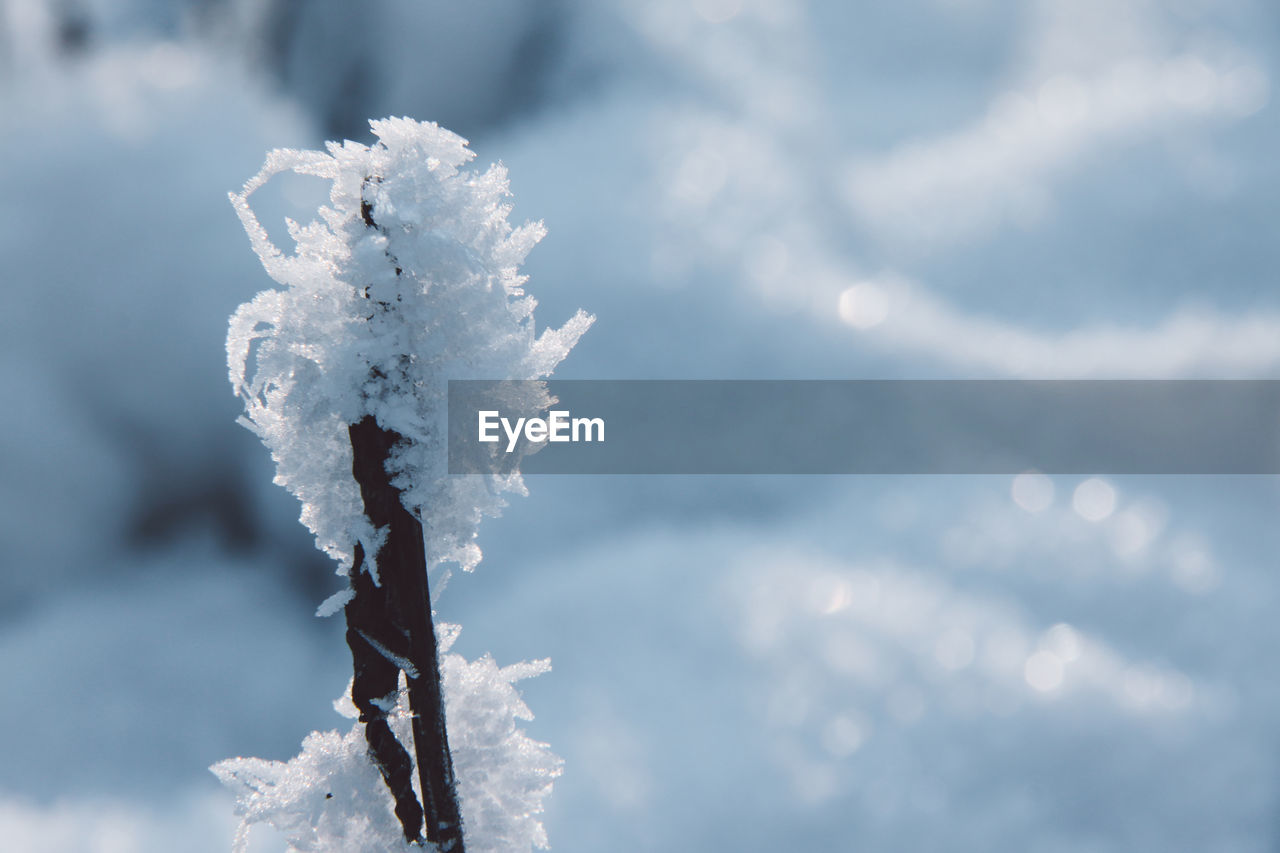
(737, 189)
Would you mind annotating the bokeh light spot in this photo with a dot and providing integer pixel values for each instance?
(864, 306)
(1032, 491)
(1094, 499)
(1044, 671)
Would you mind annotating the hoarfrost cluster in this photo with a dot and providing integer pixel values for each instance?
(331, 799)
(407, 279)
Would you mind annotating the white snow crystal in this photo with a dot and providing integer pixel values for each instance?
(407, 279)
(331, 798)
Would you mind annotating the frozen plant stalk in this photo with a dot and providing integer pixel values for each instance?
(407, 279)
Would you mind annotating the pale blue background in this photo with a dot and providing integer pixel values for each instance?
(737, 189)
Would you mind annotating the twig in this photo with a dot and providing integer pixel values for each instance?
(389, 629)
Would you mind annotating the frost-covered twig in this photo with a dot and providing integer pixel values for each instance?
(389, 631)
(408, 279)
(331, 799)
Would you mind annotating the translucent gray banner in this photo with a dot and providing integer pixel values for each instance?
(866, 427)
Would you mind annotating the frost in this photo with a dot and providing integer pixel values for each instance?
(401, 663)
(335, 602)
(331, 799)
(408, 278)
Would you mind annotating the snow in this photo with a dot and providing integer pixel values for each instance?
(373, 321)
(331, 799)
(1024, 678)
(408, 278)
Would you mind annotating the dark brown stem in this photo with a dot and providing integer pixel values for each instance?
(389, 629)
